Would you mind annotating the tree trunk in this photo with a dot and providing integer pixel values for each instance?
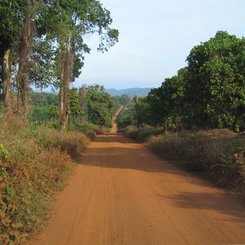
(64, 108)
(66, 74)
(22, 79)
(6, 72)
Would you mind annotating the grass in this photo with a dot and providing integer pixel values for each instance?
(88, 129)
(141, 134)
(34, 164)
(220, 158)
(217, 155)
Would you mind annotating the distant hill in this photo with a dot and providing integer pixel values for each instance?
(129, 91)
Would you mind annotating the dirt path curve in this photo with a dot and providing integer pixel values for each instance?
(114, 124)
(123, 194)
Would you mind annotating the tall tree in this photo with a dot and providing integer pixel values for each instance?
(12, 14)
(209, 92)
(215, 90)
(21, 79)
(58, 40)
(100, 105)
(74, 20)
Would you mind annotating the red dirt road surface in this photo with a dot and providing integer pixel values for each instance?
(123, 194)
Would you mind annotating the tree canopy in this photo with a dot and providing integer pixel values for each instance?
(208, 93)
(47, 40)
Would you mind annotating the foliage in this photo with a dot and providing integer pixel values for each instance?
(44, 107)
(126, 117)
(121, 100)
(216, 155)
(42, 64)
(88, 129)
(216, 87)
(141, 134)
(10, 21)
(89, 104)
(208, 93)
(76, 106)
(46, 39)
(100, 105)
(43, 99)
(142, 111)
(34, 162)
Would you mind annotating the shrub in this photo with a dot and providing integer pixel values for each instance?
(89, 129)
(221, 158)
(131, 131)
(34, 163)
(141, 134)
(67, 141)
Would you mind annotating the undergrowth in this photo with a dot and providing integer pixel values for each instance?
(217, 155)
(88, 129)
(221, 159)
(141, 134)
(34, 163)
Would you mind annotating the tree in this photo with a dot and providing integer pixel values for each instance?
(44, 107)
(126, 117)
(166, 103)
(76, 107)
(122, 100)
(215, 91)
(11, 23)
(77, 18)
(155, 100)
(48, 40)
(100, 105)
(21, 79)
(208, 93)
(142, 111)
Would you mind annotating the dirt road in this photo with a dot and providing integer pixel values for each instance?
(114, 124)
(121, 193)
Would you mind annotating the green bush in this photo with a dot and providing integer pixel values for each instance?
(125, 118)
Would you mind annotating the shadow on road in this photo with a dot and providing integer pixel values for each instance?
(123, 153)
(118, 152)
(233, 210)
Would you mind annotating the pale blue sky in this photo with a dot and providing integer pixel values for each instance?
(156, 37)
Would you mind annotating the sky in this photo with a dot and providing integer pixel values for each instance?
(155, 39)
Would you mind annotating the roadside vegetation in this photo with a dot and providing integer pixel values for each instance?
(34, 163)
(217, 155)
(196, 119)
(36, 157)
(90, 107)
(42, 135)
(42, 44)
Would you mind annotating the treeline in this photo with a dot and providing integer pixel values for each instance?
(208, 93)
(42, 44)
(88, 104)
(186, 119)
